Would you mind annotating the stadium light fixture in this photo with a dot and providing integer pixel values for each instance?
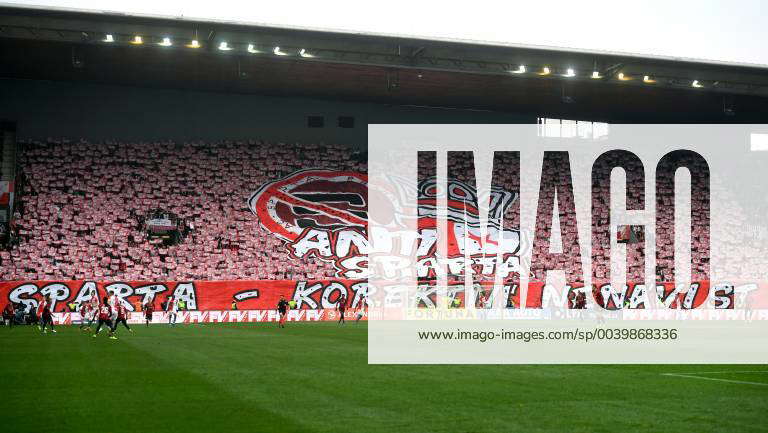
(648, 79)
(252, 49)
(193, 44)
(303, 53)
(696, 84)
(224, 47)
(520, 70)
(545, 71)
(623, 77)
(596, 75)
(278, 52)
(166, 42)
(569, 73)
(109, 38)
(137, 40)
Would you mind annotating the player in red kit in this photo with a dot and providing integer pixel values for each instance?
(8, 314)
(46, 317)
(84, 312)
(342, 307)
(149, 309)
(282, 308)
(39, 313)
(105, 313)
(362, 307)
(122, 314)
(92, 311)
(171, 307)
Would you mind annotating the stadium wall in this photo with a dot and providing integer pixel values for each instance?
(96, 112)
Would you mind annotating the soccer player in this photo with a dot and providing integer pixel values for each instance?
(748, 307)
(361, 308)
(84, 312)
(580, 304)
(342, 307)
(93, 311)
(282, 308)
(46, 317)
(19, 314)
(39, 312)
(8, 314)
(171, 308)
(113, 302)
(122, 313)
(149, 309)
(105, 313)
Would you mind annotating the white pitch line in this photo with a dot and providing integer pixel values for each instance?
(725, 372)
(715, 379)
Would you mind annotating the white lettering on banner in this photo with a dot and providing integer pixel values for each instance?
(57, 292)
(744, 291)
(149, 292)
(122, 291)
(722, 296)
(347, 239)
(609, 294)
(326, 301)
(303, 294)
(353, 263)
(638, 298)
(186, 292)
(554, 297)
(313, 240)
(87, 292)
(690, 295)
(428, 241)
(356, 267)
(423, 294)
(361, 291)
(23, 294)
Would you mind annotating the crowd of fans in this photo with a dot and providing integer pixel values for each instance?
(85, 205)
(84, 208)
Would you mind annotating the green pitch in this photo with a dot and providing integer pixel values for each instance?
(314, 377)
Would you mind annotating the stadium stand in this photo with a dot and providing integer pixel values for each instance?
(86, 206)
(96, 211)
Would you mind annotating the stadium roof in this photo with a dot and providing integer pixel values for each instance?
(57, 44)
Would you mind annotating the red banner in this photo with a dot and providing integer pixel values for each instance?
(635, 295)
(198, 295)
(324, 294)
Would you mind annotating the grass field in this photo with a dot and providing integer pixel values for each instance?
(314, 377)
